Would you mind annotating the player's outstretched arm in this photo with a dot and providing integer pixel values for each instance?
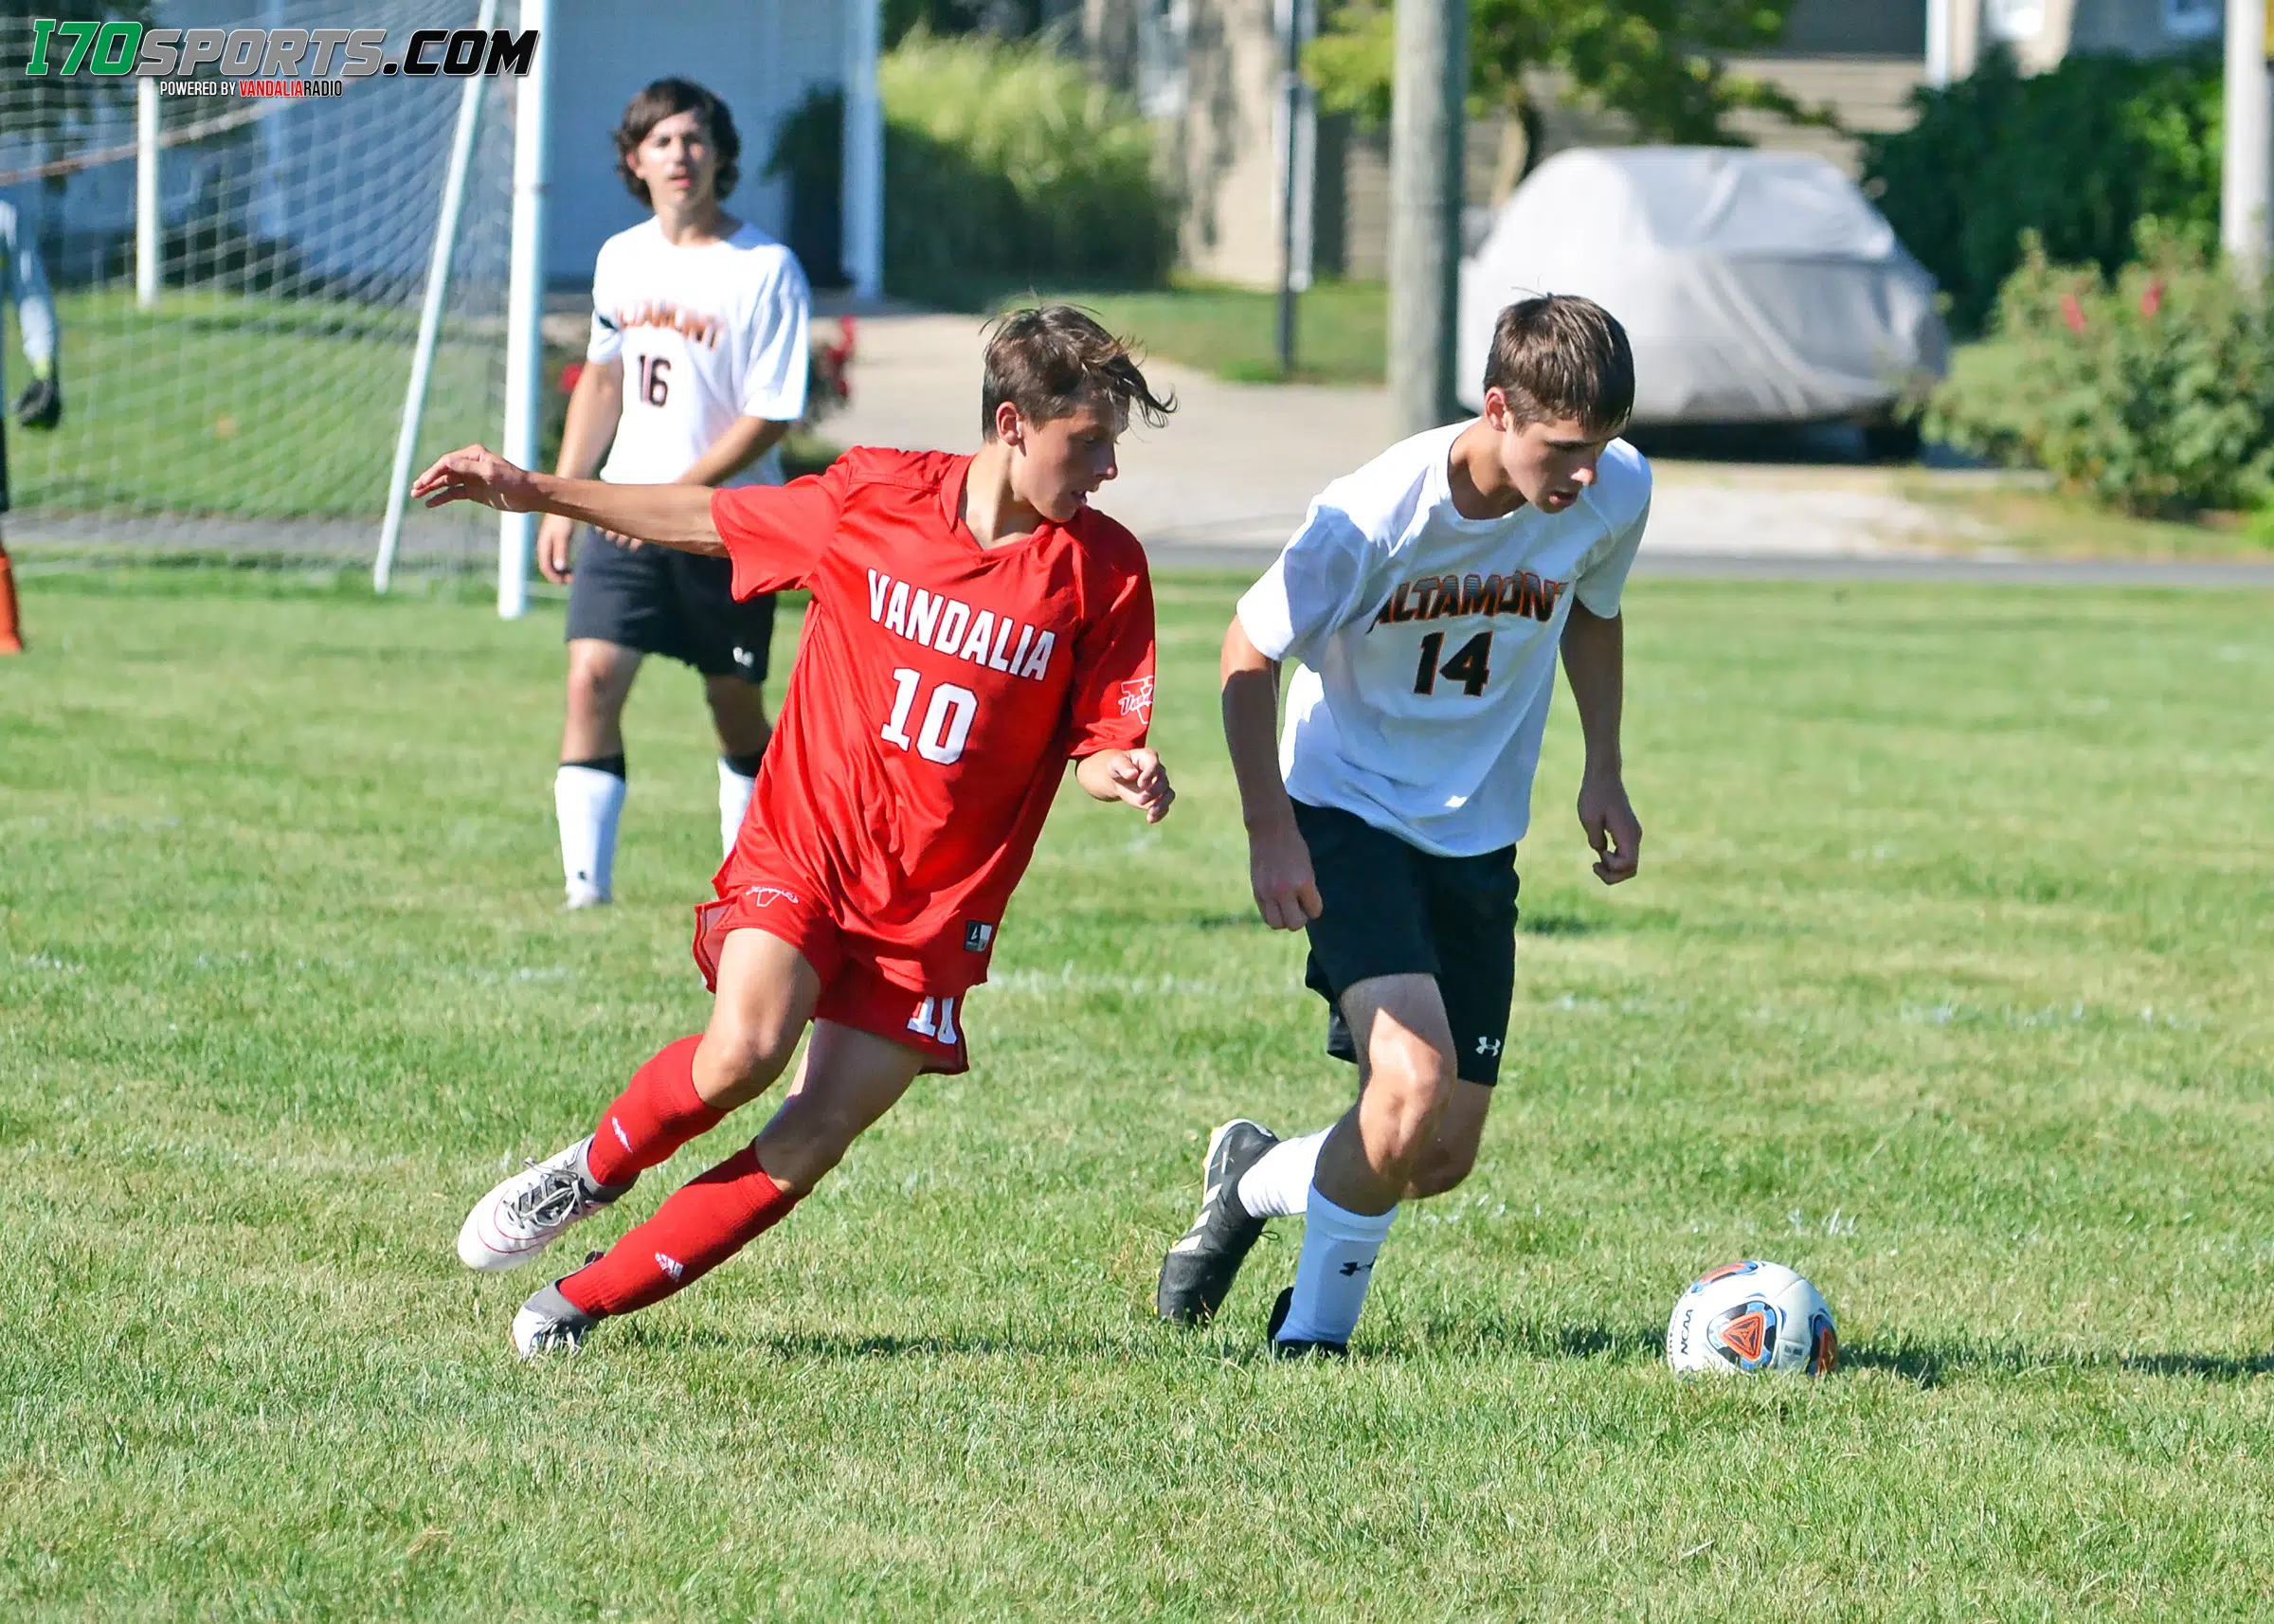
(1136, 777)
(671, 515)
(1287, 891)
(1595, 662)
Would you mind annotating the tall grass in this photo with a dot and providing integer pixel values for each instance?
(1005, 167)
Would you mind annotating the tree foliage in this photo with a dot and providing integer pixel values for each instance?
(2078, 155)
(1660, 62)
(1006, 19)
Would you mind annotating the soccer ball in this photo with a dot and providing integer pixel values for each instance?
(1751, 1316)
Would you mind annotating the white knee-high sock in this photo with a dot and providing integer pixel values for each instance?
(733, 802)
(588, 804)
(1338, 1247)
(1279, 1184)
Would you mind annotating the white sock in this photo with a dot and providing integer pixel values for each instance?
(1339, 1247)
(734, 801)
(588, 803)
(1279, 1184)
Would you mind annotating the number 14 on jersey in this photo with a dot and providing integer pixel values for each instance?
(1471, 667)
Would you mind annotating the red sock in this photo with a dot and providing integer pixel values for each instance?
(658, 1112)
(706, 1222)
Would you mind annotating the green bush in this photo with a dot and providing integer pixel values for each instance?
(1004, 167)
(2079, 155)
(2152, 391)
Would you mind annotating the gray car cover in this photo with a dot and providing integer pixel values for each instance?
(1757, 287)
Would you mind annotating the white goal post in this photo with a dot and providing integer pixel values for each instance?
(430, 319)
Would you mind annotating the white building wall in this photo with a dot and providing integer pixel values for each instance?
(759, 57)
(354, 183)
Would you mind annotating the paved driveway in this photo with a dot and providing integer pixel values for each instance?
(1228, 479)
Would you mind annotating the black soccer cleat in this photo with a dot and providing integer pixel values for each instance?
(1297, 1349)
(1198, 1271)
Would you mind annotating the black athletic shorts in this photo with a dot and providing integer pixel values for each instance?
(3, 471)
(679, 605)
(1391, 909)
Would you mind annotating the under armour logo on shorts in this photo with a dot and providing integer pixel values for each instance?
(1488, 1045)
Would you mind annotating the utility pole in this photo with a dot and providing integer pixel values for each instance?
(2248, 183)
(1954, 40)
(1426, 121)
(1298, 142)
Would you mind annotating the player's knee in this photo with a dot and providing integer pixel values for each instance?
(1409, 1083)
(805, 1140)
(1442, 1170)
(598, 682)
(737, 1060)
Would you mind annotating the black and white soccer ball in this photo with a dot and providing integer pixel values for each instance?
(1752, 1316)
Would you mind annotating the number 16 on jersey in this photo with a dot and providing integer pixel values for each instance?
(946, 719)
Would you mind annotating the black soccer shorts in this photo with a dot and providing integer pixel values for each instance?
(1390, 909)
(679, 605)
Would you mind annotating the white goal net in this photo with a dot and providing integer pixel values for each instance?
(252, 405)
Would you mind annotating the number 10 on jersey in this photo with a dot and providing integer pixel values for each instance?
(946, 719)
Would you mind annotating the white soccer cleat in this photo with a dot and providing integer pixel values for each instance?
(581, 896)
(549, 1322)
(525, 1212)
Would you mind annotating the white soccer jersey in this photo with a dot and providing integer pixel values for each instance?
(1428, 640)
(706, 335)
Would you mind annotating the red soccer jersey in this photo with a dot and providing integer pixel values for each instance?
(938, 693)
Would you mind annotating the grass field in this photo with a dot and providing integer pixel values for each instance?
(1945, 982)
(259, 408)
(2032, 520)
(1342, 329)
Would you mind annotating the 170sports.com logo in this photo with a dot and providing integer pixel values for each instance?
(132, 50)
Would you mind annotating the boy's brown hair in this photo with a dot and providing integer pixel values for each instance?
(1051, 362)
(1561, 357)
(664, 100)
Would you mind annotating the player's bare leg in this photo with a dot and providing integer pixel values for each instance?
(1451, 1155)
(1370, 1158)
(588, 790)
(1407, 1074)
(600, 680)
(850, 1079)
(738, 712)
(766, 992)
(12, 625)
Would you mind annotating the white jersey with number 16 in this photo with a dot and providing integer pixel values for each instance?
(707, 335)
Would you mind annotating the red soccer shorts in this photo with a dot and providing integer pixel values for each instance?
(854, 991)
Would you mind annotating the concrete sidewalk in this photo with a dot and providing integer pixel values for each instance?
(1235, 470)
